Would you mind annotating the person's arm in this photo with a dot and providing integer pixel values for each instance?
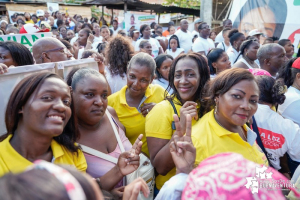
(239, 64)
(90, 41)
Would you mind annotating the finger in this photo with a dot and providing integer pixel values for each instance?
(145, 189)
(134, 163)
(189, 103)
(187, 146)
(133, 158)
(188, 131)
(137, 143)
(172, 147)
(138, 150)
(135, 192)
(177, 125)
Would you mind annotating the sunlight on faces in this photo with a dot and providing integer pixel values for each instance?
(138, 79)
(239, 103)
(47, 110)
(186, 78)
(90, 99)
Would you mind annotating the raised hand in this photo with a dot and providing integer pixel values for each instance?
(91, 38)
(3, 68)
(129, 161)
(145, 109)
(181, 148)
(190, 108)
(99, 58)
(133, 190)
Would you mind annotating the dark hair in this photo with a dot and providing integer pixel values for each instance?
(143, 27)
(176, 38)
(101, 47)
(213, 56)
(271, 91)
(159, 60)
(270, 39)
(75, 28)
(226, 29)
(34, 15)
(79, 74)
(142, 43)
(152, 25)
(103, 27)
(223, 82)
(225, 20)
(234, 35)
(87, 53)
(67, 44)
(158, 26)
(22, 21)
(212, 32)
(200, 25)
(288, 73)
(118, 54)
(114, 21)
(59, 22)
(87, 25)
(36, 184)
(275, 38)
(131, 33)
(298, 54)
(87, 31)
(283, 42)
(245, 45)
(111, 32)
(19, 53)
(19, 97)
(204, 74)
(279, 9)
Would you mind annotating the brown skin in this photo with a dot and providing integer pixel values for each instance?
(184, 25)
(96, 28)
(289, 49)
(36, 129)
(237, 106)
(147, 48)
(250, 55)
(82, 38)
(146, 32)
(222, 63)
(238, 42)
(63, 32)
(70, 34)
(277, 60)
(6, 58)
(187, 79)
(138, 80)
(105, 33)
(165, 68)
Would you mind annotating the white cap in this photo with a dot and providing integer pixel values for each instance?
(40, 13)
(255, 32)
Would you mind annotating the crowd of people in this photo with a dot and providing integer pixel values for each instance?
(200, 110)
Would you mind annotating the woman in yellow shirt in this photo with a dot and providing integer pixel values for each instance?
(188, 75)
(28, 19)
(234, 93)
(135, 100)
(38, 125)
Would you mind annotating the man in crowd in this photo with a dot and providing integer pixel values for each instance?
(40, 14)
(271, 58)
(227, 23)
(203, 44)
(116, 27)
(184, 35)
(166, 32)
(255, 33)
(197, 22)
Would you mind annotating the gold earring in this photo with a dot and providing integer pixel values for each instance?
(216, 109)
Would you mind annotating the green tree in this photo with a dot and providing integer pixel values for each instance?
(195, 4)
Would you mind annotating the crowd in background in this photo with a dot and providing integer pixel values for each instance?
(203, 109)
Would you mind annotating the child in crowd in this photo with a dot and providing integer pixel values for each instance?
(174, 47)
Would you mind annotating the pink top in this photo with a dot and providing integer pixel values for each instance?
(97, 167)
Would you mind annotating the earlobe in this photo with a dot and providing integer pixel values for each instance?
(21, 111)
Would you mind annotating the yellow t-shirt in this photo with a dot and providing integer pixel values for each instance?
(29, 22)
(130, 117)
(159, 125)
(12, 161)
(209, 138)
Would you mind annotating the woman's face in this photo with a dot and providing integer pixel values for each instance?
(34, 19)
(70, 34)
(172, 30)
(147, 48)
(165, 68)
(222, 63)
(96, 28)
(63, 32)
(82, 38)
(47, 110)
(186, 78)
(213, 36)
(238, 42)
(138, 79)
(105, 33)
(90, 99)
(6, 58)
(78, 27)
(238, 104)
(146, 32)
(265, 23)
(251, 52)
(27, 15)
(289, 50)
(173, 44)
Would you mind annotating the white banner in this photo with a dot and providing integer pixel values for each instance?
(52, 7)
(137, 20)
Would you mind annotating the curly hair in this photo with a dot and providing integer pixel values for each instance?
(118, 54)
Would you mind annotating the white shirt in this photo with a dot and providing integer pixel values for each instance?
(290, 109)
(232, 54)
(202, 44)
(174, 54)
(219, 38)
(278, 135)
(223, 46)
(195, 33)
(73, 40)
(115, 32)
(116, 82)
(154, 43)
(185, 39)
(163, 83)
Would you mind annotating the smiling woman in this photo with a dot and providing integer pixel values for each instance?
(38, 125)
(234, 93)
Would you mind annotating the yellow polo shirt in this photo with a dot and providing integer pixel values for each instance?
(130, 117)
(12, 161)
(159, 125)
(209, 138)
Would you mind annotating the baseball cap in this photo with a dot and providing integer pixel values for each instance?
(32, 28)
(40, 13)
(255, 32)
(198, 20)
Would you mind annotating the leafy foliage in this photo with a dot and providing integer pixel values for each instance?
(195, 4)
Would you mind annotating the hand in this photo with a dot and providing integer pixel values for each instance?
(129, 161)
(3, 68)
(146, 108)
(118, 192)
(132, 190)
(90, 38)
(181, 148)
(99, 58)
(190, 108)
(76, 47)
